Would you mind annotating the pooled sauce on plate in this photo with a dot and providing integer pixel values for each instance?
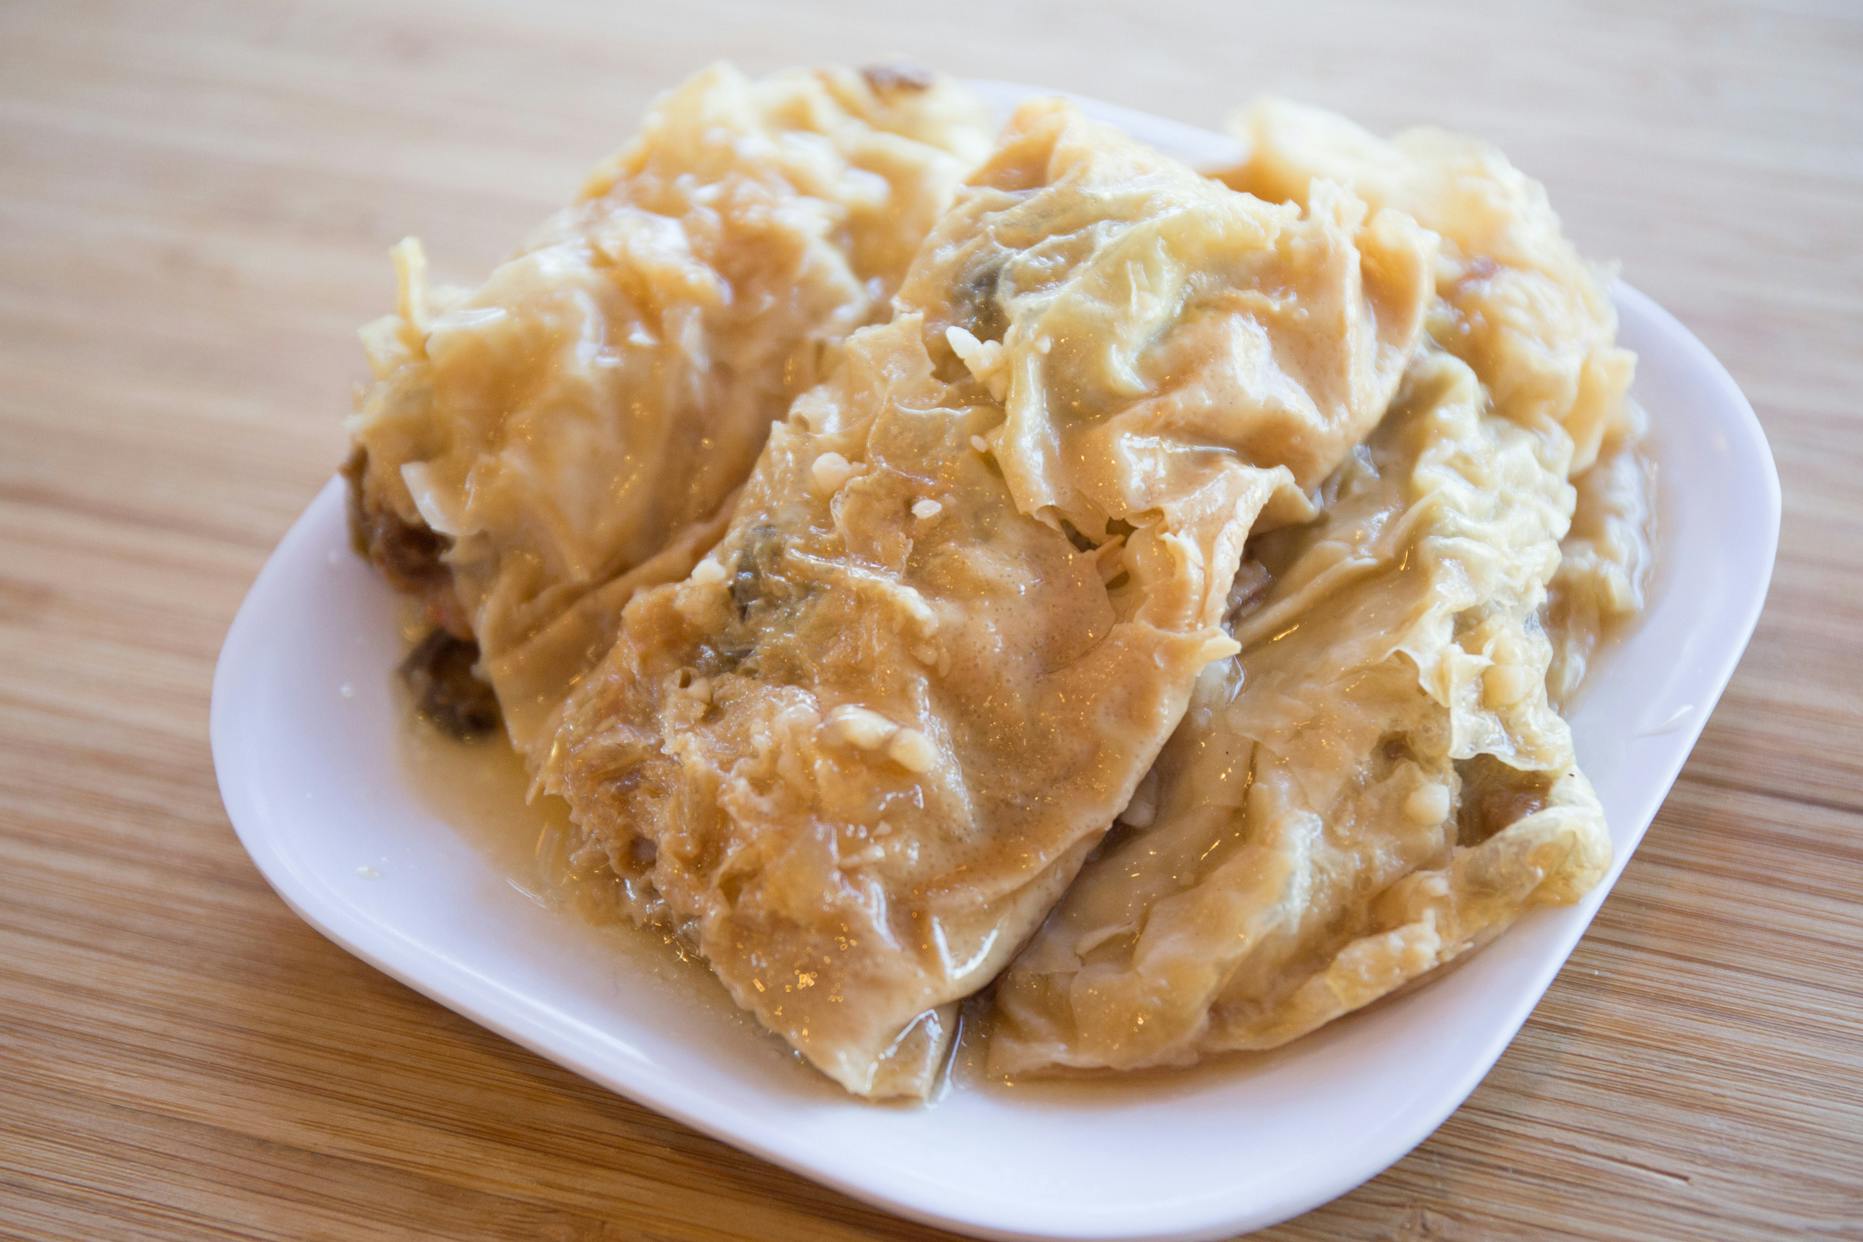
(478, 788)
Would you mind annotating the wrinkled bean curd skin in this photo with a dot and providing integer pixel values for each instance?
(1379, 781)
(534, 451)
(1514, 298)
(862, 749)
(1372, 786)
(857, 520)
(1606, 558)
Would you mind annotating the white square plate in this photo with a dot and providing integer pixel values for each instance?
(309, 744)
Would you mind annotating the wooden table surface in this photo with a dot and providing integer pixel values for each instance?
(197, 197)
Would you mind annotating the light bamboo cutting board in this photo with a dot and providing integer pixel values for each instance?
(195, 201)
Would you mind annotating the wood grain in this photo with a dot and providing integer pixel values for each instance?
(195, 198)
